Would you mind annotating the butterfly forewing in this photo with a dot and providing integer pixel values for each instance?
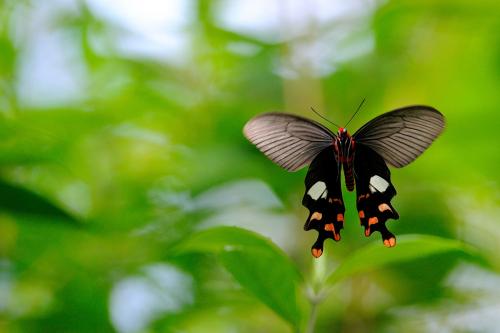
(374, 193)
(323, 198)
(288, 140)
(400, 136)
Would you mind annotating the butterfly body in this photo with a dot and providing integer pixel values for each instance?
(395, 138)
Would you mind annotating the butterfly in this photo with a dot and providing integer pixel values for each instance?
(396, 138)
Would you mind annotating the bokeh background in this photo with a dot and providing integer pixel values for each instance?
(121, 136)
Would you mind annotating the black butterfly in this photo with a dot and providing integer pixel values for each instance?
(397, 138)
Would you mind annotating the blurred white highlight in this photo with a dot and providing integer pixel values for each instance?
(138, 300)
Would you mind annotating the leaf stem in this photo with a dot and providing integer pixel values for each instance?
(315, 299)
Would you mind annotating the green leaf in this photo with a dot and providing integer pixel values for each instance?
(259, 266)
(262, 274)
(220, 238)
(19, 200)
(409, 247)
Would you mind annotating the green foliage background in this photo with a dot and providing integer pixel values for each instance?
(127, 207)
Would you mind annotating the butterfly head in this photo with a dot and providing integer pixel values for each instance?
(343, 145)
(342, 133)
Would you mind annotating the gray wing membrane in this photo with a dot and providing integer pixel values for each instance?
(400, 136)
(290, 141)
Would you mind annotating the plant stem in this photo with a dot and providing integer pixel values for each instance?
(312, 317)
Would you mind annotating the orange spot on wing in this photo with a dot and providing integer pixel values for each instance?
(336, 236)
(361, 214)
(367, 232)
(316, 252)
(340, 217)
(329, 227)
(372, 220)
(391, 242)
(383, 207)
(316, 216)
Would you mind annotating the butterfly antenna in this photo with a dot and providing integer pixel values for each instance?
(319, 115)
(359, 108)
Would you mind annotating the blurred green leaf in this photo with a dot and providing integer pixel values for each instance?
(19, 200)
(257, 264)
(220, 238)
(374, 255)
(262, 274)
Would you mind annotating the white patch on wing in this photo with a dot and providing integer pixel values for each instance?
(378, 183)
(318, 190)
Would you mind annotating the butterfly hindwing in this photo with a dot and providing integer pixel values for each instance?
(374, 193)
(323, 198)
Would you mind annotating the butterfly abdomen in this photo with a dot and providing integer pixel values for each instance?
(349, 178)
(344, 152)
